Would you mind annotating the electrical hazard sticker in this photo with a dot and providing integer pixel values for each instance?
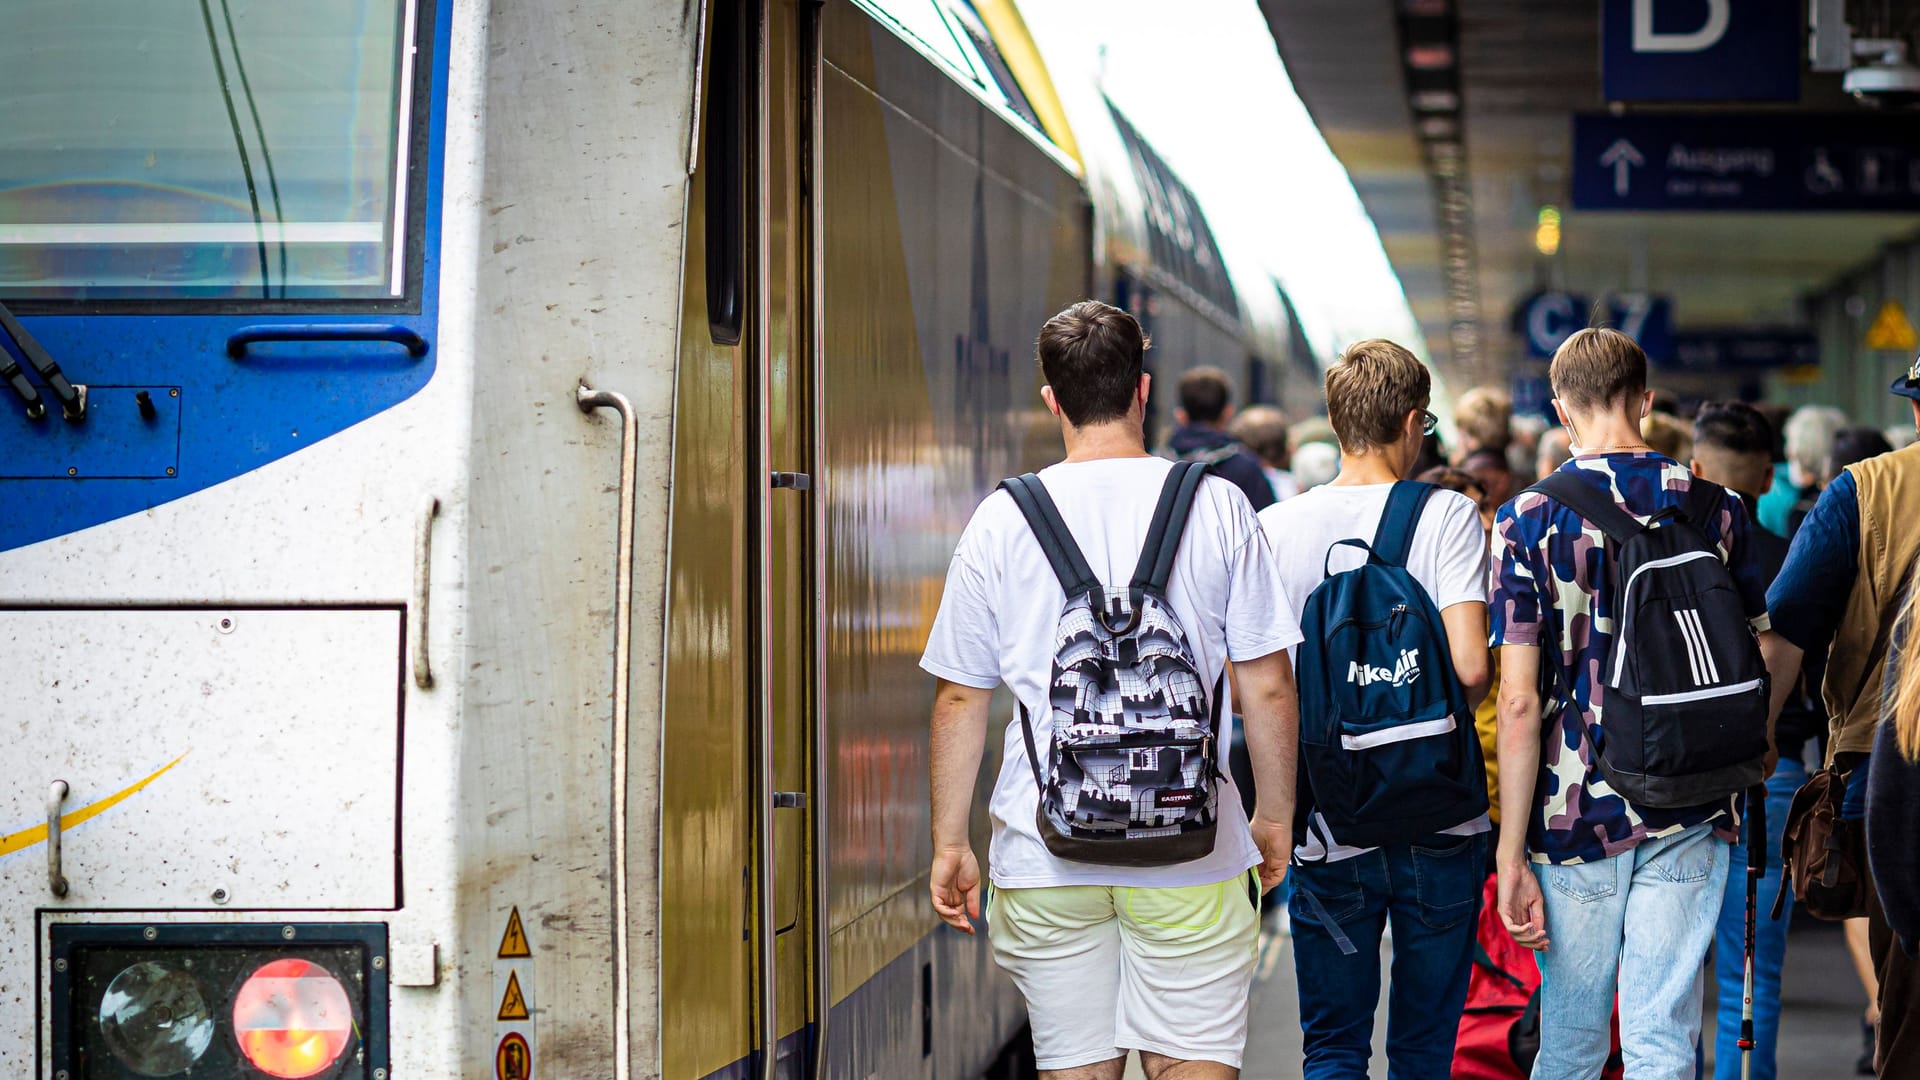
(513, 943)
(513, 1059)
(513, 1003)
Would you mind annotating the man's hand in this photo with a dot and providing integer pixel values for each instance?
(1275, 841)
(956, 888)
(1522, 908)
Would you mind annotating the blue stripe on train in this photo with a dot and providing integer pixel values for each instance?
(229, 417)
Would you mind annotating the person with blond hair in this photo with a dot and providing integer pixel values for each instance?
(1484, 418)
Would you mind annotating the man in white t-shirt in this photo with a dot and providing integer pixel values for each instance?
(1377, 397)
(1156, 959)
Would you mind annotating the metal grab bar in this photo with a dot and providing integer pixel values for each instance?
(590, 399)
(56, 875)
(422, 592)
(238, 341)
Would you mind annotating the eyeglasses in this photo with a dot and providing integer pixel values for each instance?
(1429, 423)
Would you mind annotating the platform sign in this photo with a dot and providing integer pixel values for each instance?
(1746, 161)
(1546, 319)
(1647, 319)
(1892, 331)
(1701, 50)
(1715, 352)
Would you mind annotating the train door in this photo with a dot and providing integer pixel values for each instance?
(784, 346)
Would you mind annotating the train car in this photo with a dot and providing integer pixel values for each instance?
(474, 482)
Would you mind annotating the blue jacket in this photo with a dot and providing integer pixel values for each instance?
(1226, 459)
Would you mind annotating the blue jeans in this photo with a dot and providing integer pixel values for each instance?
(1431, 891)
(1637, 926)
(1769, 945)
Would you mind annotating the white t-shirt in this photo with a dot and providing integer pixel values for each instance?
(1002, 605)
(1448, 557)
(1284, 485)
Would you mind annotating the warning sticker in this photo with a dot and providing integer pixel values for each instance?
(1891, 330)
(513, 1060)
(513, 943)
(513, 1004)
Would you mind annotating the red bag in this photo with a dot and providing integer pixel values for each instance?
(1500, 1029)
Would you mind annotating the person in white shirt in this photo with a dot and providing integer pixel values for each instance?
(1112, 958)
(1377, 398)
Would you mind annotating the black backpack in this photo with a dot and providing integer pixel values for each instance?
(1684, 691)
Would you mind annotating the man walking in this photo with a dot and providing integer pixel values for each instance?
(1617, 888)
(1733, 447)
(1205, 410)
(1427, 885)
(1114, 956)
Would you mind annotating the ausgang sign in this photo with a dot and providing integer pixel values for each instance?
(1722, 161)
(1701, 50)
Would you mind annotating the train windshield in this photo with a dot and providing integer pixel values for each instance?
(225, 150)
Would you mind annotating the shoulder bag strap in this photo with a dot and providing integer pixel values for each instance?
(1056, 541)
(1703, 502)
(1393, 540)
(1168, 526)
(1593, 505)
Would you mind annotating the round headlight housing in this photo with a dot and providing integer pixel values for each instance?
(154, 1019)
(293, 1019)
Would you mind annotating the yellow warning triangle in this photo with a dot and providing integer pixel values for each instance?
(513, 943)
(513, 1004)
(1891, 330)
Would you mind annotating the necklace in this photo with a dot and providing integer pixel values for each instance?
(1620, 449)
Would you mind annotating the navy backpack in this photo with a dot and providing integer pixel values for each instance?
(1388, 752)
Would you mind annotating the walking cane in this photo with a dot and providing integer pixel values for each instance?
(1756, 869)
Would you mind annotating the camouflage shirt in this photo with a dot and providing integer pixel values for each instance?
(1552, 586)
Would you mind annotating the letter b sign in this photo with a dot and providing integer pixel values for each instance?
(1701, 50)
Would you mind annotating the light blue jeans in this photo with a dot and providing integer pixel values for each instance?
(1636, 926)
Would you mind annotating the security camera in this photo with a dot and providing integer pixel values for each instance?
(1888, 79)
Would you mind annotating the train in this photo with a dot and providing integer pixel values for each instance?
(474, 484)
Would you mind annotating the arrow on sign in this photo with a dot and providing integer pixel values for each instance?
(1622, 156)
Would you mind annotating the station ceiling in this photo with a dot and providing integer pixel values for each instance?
(1524, 68)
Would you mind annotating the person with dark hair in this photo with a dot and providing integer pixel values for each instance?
(1127, 948)
(1495, 476)
(1205, 410)
(1733, 447)
(1263, 430)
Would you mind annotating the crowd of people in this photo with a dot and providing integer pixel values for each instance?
(1614, 692)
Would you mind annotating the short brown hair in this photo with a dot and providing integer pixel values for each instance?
(1205, 393)
(1596, 368)
(1091, 354)
(1370, 391)
(1484, 416)
(1263, 430)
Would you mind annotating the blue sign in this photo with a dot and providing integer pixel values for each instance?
(1746, 161)
(1645, 318)
(1720, 351)
(1547, 319)
(1701, 50)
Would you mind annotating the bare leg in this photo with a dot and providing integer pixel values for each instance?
(1099, 1070)
(1160, 1067)
(1863, 966)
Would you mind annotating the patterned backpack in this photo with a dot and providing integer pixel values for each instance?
(1131, 763)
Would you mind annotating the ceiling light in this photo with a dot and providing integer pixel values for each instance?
(1429, 57)
(1546, 231)
(1439, 127)
(1434, 100)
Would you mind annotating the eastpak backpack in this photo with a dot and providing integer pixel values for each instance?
(1128, 776)
(1684, 691)
(1388, 750)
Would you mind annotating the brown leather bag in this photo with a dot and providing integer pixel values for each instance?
(1824, 858)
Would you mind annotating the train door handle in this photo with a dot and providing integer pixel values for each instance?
(589, 400)
(56, 874)
(422, 592)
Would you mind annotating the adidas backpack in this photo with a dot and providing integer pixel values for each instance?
(1128, 777)
(1388, 750)
(1684, 691)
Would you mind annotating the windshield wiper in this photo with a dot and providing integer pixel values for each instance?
(73, 399)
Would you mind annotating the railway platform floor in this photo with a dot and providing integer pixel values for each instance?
(1819, 1027)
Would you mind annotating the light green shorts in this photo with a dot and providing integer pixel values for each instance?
(1107, 969)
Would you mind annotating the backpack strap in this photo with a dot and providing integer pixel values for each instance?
(1168, 526)
(1703, 502)
(1593, 505)
(1056, 541)
(1393, 540)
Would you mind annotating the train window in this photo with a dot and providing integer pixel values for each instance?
(923, 22)
(204, 149)
(987, 54)
(725, 141)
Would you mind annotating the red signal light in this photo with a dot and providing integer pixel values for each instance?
(293, 1019)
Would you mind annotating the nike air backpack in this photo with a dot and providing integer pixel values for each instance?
(1683, 690)
(1127, 776)
(1388, 750)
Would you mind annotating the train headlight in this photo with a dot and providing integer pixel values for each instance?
(293, 1019)
(154, 1019)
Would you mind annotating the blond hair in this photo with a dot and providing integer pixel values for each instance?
(1905, 716)
(1669, 435)
(1597, 368)
(1484, 416)
(1370, 391)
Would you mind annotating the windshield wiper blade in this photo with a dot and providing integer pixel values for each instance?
(73, 400)
(17, 378)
